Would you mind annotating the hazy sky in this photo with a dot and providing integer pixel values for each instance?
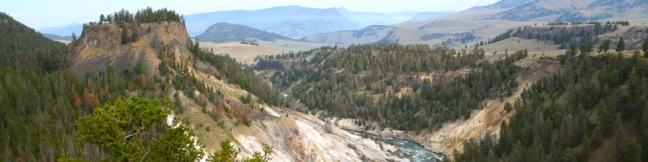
(44, 13)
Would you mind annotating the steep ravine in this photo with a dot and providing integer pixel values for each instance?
(482, 122)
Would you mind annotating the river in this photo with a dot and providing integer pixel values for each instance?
(411, 150)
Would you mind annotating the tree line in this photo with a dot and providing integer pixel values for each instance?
(562, 35)
(568, 117)
(364, 81)
(147, 15)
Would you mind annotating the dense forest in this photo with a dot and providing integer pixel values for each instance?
(562, 34)
(367, 82)
(595, 102)
(17, 47)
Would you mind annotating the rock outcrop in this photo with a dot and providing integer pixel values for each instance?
(100, 47)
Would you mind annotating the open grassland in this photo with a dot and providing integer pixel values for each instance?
(246, 53)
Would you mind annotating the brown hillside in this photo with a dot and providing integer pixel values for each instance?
(100, 47)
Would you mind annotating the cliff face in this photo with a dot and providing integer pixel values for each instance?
(100, 47)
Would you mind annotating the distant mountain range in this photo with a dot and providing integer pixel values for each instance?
(558, 10)
(290, 21)
(342, 26)
(63, 31)
(57, 37)
(483, 22)
(226, 32)
(297, 22)
(370, 34)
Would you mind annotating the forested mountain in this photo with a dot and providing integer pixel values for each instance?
(226, 32)
(402, 87)
(40, 99)
(17, 47)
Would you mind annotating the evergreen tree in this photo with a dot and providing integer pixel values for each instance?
(121, 128)
(644, 145)
(124, 34)
(588, 47)
(228, 153)
(644, 47)
(102, 18)
(605, 46)
(74, 37)
(621, 45)
(628, 150)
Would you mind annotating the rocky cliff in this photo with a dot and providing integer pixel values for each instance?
(101, 47)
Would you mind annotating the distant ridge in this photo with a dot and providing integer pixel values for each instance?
(226, 32)
(289, 21)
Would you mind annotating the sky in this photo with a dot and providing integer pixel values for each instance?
(47, 13)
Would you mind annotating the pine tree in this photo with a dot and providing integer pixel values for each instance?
(605, 46)
(644, 145)
(102, 18)
(628, 149)
(74, 37)
(587, 48)
(644, 47)
(621, 45)
(124, 34)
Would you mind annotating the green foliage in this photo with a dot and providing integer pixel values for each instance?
(605, 46)
(621, 45)
(124, 34)
(175, 145)
(147, 15)
(119, 126)
(247, 99)
(644, 47)
(565, 117)
(228, 153)
(561, 34)
(126, 128)
(34, 103)
(587, 47)
(628, 149)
